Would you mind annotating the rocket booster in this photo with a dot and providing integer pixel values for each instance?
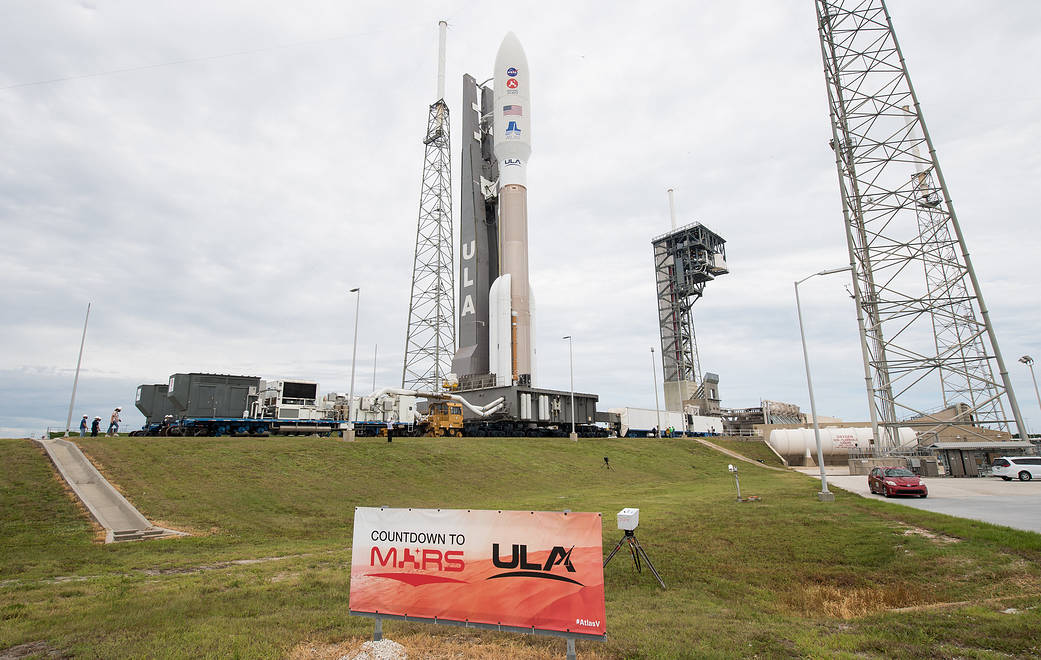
(513, 353)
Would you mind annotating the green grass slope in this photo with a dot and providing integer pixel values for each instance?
(268, 562)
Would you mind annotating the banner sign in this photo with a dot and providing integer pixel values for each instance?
(539, 570)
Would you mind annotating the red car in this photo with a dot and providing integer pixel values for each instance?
(891, 481)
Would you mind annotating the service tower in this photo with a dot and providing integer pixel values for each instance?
(685, 260)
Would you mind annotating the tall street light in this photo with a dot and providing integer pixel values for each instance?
(1029, 361)
(76, 380)
(824, 495)
(654, 377)
(348, 435)
(571, 356)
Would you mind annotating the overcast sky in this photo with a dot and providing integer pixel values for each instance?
(216, 210)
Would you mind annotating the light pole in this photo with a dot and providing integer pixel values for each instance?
(654, 377)
(824, 495)
(348, 435)
(571, 359)
(1029, 361)
(76, 380)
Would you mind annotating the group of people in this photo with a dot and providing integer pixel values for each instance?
(95, 426)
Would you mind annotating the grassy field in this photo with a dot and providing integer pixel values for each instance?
(266, 570)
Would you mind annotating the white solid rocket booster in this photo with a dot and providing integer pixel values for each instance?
(512, 348)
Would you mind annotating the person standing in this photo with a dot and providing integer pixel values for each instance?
(113, 425)
(83, 427)
(95, 427)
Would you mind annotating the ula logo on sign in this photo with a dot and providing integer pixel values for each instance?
(519, 559)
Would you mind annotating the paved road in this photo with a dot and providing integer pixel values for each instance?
(1014, 504)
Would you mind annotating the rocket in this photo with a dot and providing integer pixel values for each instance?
(511, 304)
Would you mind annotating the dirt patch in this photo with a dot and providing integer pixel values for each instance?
(940, 539)
(448, 647)
(967, 603)
(214, 567)
(32, 650)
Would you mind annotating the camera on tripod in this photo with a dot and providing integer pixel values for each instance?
(628, 519)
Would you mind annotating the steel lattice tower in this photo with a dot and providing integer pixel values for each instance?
(923, 321)
(430, 339)
(685, 260)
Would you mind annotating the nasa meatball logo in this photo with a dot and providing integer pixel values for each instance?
(511, 72)
(511, 83)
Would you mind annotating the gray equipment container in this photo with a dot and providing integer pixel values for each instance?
(212, 395)
(153, 403)
(538, 405)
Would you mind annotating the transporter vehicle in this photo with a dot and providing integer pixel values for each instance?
(213, 405)
(890, 481)
(1023, 468)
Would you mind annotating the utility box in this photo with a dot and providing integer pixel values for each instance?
(929, 467)
(628, 519)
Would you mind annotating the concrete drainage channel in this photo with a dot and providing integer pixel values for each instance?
(121, 520)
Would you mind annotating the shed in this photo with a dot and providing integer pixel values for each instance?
(973, 459)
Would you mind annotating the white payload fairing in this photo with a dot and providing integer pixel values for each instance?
(511, 335)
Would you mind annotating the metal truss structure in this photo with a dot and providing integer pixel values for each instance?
(685, 260)
(430, 339)
(923, 321)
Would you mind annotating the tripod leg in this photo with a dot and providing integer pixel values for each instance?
(616, 547)
(633, 545)
(649, 564)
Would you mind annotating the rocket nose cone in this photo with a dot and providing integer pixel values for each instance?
(510, 46)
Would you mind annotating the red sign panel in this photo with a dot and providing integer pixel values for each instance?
(540, 570)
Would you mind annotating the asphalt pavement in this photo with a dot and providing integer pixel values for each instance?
(1015, 504)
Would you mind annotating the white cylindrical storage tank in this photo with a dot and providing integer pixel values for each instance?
(835, 442)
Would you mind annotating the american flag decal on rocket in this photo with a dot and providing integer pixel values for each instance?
(512, 110)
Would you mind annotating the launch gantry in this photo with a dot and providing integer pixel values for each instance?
(685, 260)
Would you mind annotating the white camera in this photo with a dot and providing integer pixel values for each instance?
(628, 519)
(732, 468)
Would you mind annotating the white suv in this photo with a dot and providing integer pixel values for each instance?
(1023, 467)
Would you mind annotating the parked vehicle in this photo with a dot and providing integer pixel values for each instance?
(1023, 468)
(890, 481)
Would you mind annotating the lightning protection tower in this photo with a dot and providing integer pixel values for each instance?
(430, 339)
(929, 348)
(685, 260)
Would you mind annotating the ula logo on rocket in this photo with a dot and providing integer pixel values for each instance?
(511, 161)
(511, 72)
